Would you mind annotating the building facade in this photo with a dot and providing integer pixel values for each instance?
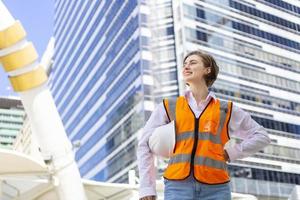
(26, 142)
(96, 82)
(11, 120)
(115, 60)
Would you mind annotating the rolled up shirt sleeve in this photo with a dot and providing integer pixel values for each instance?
(145, 158)
(254, 136)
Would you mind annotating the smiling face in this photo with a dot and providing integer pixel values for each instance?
(193, 70)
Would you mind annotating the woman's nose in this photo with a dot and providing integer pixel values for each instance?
(186, 66)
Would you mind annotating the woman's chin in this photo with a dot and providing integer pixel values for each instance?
(191, 82)
(188, 80)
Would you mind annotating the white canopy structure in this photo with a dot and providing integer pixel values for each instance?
(24, 178)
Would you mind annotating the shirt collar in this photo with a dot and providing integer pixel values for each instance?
(188, 94)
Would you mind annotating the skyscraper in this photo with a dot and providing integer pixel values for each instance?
(97, 83)
(115, 59)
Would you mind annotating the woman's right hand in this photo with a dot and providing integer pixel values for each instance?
(148, 198)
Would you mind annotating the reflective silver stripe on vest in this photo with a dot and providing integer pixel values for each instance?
(200, 160)
(172, 108)
(201, 136)
(180, 158)
(223, 113)
(184, 136)
(209, 136)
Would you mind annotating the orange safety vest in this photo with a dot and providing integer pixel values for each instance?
(200, 141)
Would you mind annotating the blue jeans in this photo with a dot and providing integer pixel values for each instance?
(190, 189)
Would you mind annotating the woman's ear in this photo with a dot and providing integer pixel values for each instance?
(208, 70)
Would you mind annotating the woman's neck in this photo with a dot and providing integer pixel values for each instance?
(199, 92)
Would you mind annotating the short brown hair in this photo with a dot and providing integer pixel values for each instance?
(208, 61)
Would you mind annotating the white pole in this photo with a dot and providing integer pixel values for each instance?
(42, 113)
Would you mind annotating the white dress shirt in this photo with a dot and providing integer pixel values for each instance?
(241, 125)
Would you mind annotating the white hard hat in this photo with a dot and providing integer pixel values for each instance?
(162, 140)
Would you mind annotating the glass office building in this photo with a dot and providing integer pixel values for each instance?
(11, 120)
(114, 60)
(97, 82)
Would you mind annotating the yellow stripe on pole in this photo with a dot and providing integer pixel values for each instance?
(12, 35)
(29, 80)
(20, 58)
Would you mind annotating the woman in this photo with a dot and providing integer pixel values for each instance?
(197, 168)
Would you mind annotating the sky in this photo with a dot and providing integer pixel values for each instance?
(36, 17)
